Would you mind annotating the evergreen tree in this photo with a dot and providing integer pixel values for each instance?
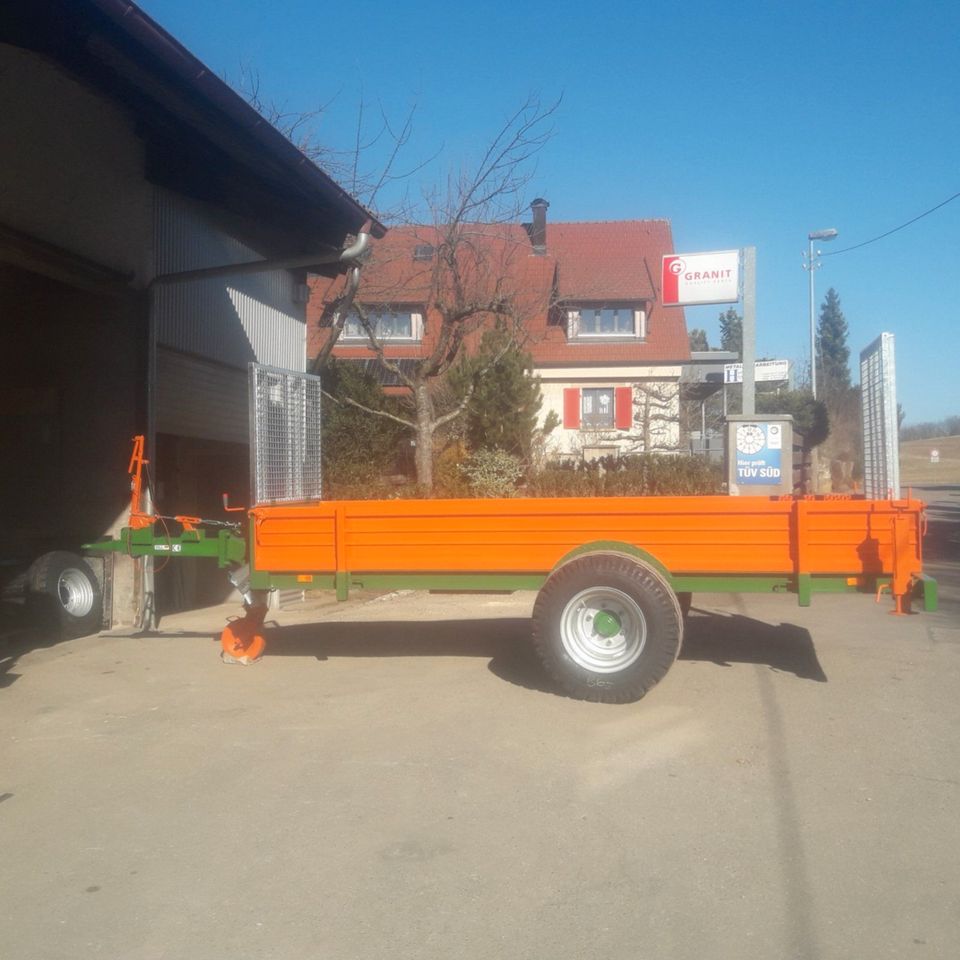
(731, 332)
(833, 355)
(503, 408)
(810, 418)
(357, 448)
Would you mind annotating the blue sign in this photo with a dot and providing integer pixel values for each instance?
(758, 451)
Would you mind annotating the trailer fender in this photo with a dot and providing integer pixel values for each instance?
(685, 599)
(615, 547)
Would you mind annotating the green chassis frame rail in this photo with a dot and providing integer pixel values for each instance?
(225, 546)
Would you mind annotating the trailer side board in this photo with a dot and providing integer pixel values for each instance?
(703, 544)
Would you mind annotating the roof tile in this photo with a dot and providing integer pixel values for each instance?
(589, 262)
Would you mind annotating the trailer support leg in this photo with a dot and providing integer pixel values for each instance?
(242, 640)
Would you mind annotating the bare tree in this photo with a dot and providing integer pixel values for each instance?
(371, 164)
(656, 420)
(471, 269)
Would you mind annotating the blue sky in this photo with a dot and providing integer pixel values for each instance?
(748, 123)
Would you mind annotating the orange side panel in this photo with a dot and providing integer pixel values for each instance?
(701, 535)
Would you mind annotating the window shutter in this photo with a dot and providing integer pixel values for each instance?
(623, 408)
(571, 408)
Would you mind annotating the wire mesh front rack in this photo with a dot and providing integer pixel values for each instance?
(284, 435)
(878, 402)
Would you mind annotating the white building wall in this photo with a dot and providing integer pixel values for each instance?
(656, 410)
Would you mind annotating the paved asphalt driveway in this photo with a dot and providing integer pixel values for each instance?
(397, 780)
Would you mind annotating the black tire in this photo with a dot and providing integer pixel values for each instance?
(607, 627)
(63, 589)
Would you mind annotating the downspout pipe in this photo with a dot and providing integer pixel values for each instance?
(353, 254)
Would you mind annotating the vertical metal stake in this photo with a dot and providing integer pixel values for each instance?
(749, 329)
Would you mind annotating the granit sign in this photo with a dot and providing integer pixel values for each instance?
(692, 278)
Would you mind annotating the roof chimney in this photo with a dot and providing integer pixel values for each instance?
(538, 229)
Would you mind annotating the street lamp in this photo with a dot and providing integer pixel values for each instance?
(812, 265)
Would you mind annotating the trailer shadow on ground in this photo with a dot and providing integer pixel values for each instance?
(725, 639)
(722, 639)
(715, 638)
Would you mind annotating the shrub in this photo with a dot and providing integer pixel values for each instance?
(492, 473)
(448, 477)
(641, 475)
(563, 480)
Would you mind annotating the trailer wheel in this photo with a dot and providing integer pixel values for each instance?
(62, 587)
(607, 627)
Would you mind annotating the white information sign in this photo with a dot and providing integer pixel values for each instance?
(692, 278)
(764, 371)
(759, 454)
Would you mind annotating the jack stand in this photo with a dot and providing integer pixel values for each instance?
(901, 602)
(241, 640)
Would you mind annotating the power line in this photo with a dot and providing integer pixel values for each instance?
(834, 253)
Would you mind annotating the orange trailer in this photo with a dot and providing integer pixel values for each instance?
(615, 575)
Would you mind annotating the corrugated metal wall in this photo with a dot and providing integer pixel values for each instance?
(197, 398)
(231, 320)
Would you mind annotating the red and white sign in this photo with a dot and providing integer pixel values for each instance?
(692, 278)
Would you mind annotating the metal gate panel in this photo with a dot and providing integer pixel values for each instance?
(881, 440)
(284, 435)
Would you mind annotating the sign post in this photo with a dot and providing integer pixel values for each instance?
(749, 329)
(694, 279)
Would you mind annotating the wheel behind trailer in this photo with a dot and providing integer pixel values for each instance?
(607, 627)
(63, 591)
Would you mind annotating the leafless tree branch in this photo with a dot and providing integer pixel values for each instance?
(349, 402)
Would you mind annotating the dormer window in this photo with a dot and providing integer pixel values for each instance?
(387, 323)
(597, 322)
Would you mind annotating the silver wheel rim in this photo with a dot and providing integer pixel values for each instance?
(75, 592)
(603, 630)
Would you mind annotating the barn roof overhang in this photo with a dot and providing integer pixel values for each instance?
(202, 139)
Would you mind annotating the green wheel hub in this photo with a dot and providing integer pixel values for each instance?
(607, 624)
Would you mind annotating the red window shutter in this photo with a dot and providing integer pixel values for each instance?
(571, 408)
(623, 407)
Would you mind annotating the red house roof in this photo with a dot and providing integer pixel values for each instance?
(614, 262)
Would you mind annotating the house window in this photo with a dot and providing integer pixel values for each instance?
(621, 322)
(598, 408)
(386, 324)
